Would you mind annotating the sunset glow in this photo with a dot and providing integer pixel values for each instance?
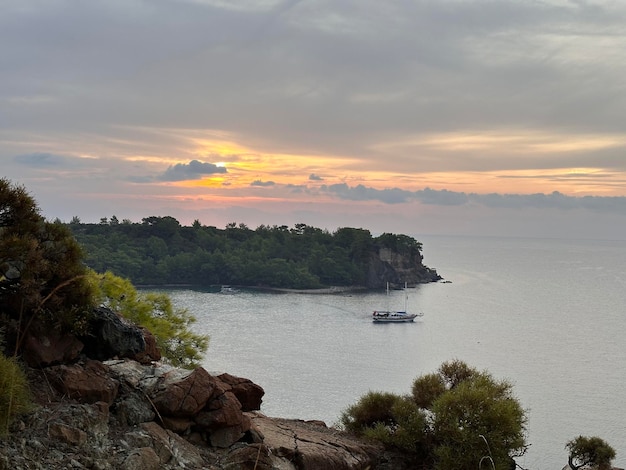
(285, 112)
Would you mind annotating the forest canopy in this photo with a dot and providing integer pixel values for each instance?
(160, 251)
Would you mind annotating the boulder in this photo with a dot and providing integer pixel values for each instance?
(183, 393)
(151, 351)
(43, 348)
(252, 457)
(112, 336)
(88, 383)
(303, 445)
(172, 449)
(249, 394)
(79, 424)
(223, 421)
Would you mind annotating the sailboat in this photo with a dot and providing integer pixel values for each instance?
(398, 316)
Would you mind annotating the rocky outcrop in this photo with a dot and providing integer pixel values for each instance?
(387, 265)
(296, 444)
(109, 336)
(100, 408)
(158, 417)
(112, 336)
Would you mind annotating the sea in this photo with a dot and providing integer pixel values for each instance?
(548, 315)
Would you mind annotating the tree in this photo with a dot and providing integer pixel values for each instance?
(589, 453)
(477, 420)
(41, 271)
(455, 419)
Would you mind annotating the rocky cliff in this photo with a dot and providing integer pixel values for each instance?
(395, 267)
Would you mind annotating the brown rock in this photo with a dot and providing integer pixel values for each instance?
(67, 434)
(249, 394)
(144, 458)
(151, 352)
(87, 384)
(313, 447)
(171, 448)
(183, 393)
(178, 425)
(44, 348)
(252, 457)
(223, 411)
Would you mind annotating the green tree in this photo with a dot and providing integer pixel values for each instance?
(154, 311)
(589, 453)
(478, 420)
(41, 270)
(458, 418)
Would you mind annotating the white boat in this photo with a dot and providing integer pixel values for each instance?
(395, 316)
(228, 290)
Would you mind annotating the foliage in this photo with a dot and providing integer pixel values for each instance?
(476, 419)
(456, 419)
(590, 453)
(41, 269)
(154, 311)
(160, 251)
(371, 409)
(15, 398)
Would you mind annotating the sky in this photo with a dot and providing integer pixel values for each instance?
(455, 117)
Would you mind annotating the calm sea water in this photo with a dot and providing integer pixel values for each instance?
(548, 315)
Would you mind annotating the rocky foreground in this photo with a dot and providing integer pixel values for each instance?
(133, 412)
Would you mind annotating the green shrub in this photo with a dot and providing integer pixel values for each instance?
(15, 398)
(373, 408)
(590, 452)
(455, 419)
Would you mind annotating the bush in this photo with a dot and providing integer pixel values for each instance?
(15, 398)
(373, 408)
(455, 419)
(590, 453)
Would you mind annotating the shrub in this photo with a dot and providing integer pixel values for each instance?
(590, 453)
(15, 398)
(455, 419)
(373, 408)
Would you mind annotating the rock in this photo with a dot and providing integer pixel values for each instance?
(223, 420)
(312, 447)
(87, 384)
(151, 351)
(144, 458)
(253, 457)
(112, 336)
(44, 348)
(134, 408)
(387, 265)
(78, 424)
(182, 393)
(248, 393)
(67, 434)
(171, 448)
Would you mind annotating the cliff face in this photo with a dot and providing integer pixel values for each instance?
(387, 265)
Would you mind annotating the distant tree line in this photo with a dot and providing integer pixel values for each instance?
(160, 251)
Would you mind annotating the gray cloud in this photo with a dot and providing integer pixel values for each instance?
(260, 183)
(314, 177)
(41, 160)
(555, 200)
(190, 171)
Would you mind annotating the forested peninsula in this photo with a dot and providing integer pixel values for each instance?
(161, 251)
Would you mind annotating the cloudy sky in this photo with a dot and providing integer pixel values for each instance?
(482, 117)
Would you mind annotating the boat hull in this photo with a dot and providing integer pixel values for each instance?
(393, 317)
